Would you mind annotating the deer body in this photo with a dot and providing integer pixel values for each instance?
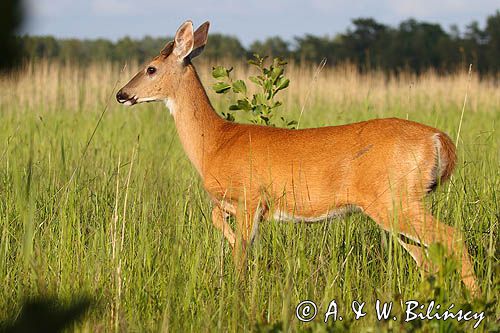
(383, 167)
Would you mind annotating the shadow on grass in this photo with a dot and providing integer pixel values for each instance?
(46, 314)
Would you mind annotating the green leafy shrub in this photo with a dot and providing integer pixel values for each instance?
(262, 106)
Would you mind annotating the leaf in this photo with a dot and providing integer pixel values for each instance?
(257, 60)
(259, 99)
(253, 62)
(239, 86)
(221, 87)
(266, 119)
(228, 116)
(282, 62)
(257, 110)
(276, 104)
(267, 86)
(220, 72)
(282, 84)
(276, 73)
(255, 80)
(244, 104)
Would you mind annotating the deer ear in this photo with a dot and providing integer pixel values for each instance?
(167, 49)
(200, 39)
(184, 40)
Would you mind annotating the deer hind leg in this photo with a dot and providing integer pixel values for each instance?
(429, 231)
(219, 219)
(420, 226)
(418, 253)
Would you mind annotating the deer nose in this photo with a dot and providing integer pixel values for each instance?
(121, 96)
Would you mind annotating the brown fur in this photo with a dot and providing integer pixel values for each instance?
(383, 166)
(448, 151)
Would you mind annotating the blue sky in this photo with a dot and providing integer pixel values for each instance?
(248, 20)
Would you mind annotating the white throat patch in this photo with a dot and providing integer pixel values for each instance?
(146, 99)
(170, 105)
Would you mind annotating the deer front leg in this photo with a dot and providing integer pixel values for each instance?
(220, 222)
(248, 216)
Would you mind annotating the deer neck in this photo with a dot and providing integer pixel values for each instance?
(197, 123)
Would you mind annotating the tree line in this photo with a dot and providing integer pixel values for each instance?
(412, 45)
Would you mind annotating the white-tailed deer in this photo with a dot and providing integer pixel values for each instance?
(383, 167)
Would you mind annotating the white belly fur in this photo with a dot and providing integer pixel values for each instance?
(333, 214)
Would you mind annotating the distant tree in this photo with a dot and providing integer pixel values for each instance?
(221, 46)
(40, 47)
(101, 49)
(419, 45)
(366, 43)
(474, 44)
(312, 48)
(454, 32)
(273, 47)
(73, 51)
(492, 52)
(474, 33)
(150, 46)
(412, 45)
(126, 49)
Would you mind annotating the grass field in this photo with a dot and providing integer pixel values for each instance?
(121, 216)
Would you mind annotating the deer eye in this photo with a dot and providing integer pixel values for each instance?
(151, 70)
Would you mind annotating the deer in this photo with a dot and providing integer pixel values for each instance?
(381, 167)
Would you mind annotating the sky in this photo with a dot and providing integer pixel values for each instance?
(247, 20)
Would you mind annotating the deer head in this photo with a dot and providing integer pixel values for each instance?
(159, 79)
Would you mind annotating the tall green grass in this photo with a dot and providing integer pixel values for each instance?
(123, 218)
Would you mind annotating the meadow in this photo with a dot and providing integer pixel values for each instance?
(99, 200)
